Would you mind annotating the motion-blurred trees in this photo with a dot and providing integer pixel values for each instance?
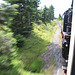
(27, 11)
(16, 19)
(51, 12)
(60, 17)
(47, 14)
(7, 42)
(7, 48)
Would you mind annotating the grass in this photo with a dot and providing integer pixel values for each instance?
(18, 69)
(60, 37)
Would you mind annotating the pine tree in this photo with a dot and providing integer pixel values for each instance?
(51, 12)
(22, 22)
(60, 17)
(7, 42)
(47, 14)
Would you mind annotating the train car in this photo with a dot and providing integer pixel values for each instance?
(66, 35)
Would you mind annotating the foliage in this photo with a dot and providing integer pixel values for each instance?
(7, 48)
(47, 14)
(21, 25)
(51, 12)
(20, 40)
(60, 17)
(36, 45)
(53, 23)
(39, 22)
(22, 22)
(7, 13)
(60, 38)
(36, 66)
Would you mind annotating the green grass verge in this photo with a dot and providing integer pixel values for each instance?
(60, 37)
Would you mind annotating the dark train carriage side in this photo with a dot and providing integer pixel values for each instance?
(67, 33)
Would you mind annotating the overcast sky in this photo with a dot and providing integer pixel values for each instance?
(1, 1)
(59, 5)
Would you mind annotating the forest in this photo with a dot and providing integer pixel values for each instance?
(25, 32)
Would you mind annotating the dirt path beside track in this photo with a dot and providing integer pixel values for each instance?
(54, 52)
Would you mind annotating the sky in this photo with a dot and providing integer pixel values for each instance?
(1, 1)
(59, 5)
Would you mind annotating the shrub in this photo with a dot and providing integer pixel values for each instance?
(53, 23)
(39, 22)
(26, 66)
(36, 66)
(7, 48)
(20, 40)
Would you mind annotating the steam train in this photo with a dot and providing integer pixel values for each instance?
(66, 35)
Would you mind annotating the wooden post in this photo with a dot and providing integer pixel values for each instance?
(71, 61)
